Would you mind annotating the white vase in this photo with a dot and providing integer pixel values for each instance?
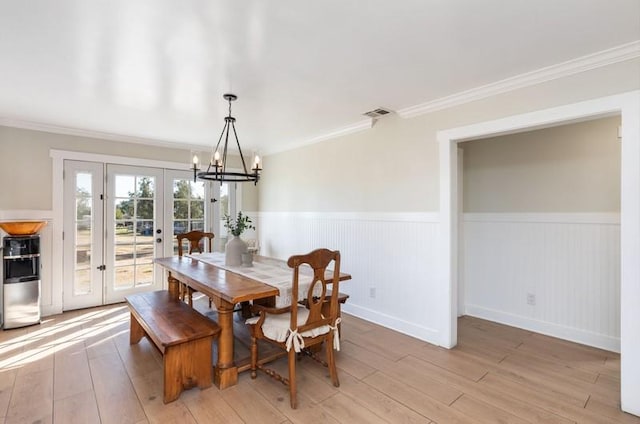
(234, 250)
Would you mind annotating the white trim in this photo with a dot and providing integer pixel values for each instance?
(429, 217)
(427, 334)
(603, 58)
(349, 129)
(612, 218)
(549, 329)
(79, 132)
(25, 215)
(626, 104)
(117, 160)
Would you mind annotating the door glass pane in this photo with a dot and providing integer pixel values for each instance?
(84, 198)
(188, 207)
(180, 209)
(134, 230)
(224, 210)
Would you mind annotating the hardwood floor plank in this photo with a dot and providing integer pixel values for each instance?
(149, 388)
(345, 410)
(484, 412)
(454, 361)
(416, 400)
(308, 411)
(544, 400)
(607, 408)
(208, 406)
(79, 408)
(312, 378)
(115, 395)
(379, 403)
(71, 372)
(501, 400)
(32, 398)
(250, 405)
(554, 367)
(7, 381)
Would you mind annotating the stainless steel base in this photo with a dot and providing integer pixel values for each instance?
(21, 304)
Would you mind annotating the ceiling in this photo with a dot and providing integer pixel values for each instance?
(157, 69)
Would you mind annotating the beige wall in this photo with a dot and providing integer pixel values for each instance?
(394, 165)
(26, 164)
(570, 168)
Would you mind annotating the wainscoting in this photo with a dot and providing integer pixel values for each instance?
(568, 265)
(391, 257)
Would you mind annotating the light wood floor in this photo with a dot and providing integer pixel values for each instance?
(79, 368)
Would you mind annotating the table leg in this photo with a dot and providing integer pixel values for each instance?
(174, 287)
(225, 373)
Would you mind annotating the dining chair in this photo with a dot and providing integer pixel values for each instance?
(299, 328)
(196, 241)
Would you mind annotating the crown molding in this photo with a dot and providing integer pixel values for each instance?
(350, 129)
(616, 54)
(78, 132)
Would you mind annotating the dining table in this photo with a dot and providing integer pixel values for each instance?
(268, 282)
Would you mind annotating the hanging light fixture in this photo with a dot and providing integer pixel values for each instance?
(217, 169)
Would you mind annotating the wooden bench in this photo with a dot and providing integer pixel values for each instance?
(183, 336)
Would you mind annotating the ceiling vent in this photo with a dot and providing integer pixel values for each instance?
(377, 113)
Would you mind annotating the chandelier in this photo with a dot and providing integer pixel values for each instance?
(217, 169)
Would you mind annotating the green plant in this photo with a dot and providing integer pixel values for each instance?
(238, 226)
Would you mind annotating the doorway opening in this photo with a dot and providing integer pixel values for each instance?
(626, 105)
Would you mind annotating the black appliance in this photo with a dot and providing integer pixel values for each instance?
(21, 265)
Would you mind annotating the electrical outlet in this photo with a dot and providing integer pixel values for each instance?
(531, 299)
(372, 292)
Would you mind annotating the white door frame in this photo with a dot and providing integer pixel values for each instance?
(628, 106)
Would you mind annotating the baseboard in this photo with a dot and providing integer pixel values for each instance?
(49, 310)
(554, 330)
(426, 334)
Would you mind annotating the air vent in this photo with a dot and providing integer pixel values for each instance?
(377, 113)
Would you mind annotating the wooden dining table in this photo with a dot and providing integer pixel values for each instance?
(226, 289)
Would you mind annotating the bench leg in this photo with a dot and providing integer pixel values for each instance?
(136, 332)
(187, 365)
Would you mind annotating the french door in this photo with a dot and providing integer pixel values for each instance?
(119, 218)
(113, 229)
(134, 230)
(83, 234)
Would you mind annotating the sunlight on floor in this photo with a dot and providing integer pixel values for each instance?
(22, 346)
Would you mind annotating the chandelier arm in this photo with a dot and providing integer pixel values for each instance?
(219, 138)
(244, 165)
(226, 146)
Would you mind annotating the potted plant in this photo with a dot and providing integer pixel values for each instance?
(236, 246)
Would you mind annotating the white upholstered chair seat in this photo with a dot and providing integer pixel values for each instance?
(276, 326)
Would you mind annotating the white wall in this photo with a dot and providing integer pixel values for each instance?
(392, 254)
(567, 168)
(570, 262)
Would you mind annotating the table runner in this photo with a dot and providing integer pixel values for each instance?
(275, 274)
